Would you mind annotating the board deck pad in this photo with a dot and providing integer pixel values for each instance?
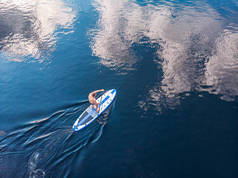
(90, 114)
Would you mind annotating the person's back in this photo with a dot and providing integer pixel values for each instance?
(92, 99)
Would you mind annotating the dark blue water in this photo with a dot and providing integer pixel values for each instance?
(174, 64)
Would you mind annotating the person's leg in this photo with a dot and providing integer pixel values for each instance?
(94, 104)
(97, 108)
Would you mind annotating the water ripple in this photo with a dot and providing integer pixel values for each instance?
(47, 147)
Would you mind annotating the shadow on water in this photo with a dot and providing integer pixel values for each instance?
(47, 147)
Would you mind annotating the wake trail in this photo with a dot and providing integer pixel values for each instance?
(48, 146)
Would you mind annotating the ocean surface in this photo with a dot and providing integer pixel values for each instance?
(174, 64)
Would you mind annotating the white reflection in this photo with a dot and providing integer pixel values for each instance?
(189, 42)
(107, 42)
(222, 68)
(28, 26)
(195, 50)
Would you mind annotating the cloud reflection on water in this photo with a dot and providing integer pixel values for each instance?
(195, 49)
(28, 27)
(222, 68)
(189, 39)
(108, 42)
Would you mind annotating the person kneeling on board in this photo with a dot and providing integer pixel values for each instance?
(92, 99)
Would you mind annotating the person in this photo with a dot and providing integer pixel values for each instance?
(92, 99)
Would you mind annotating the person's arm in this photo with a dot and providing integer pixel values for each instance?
(94, 92)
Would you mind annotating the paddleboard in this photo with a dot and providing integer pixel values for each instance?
(90, 114)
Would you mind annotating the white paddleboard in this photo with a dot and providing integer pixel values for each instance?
(90, 114)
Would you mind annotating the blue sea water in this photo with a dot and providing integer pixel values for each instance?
(173, 63)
